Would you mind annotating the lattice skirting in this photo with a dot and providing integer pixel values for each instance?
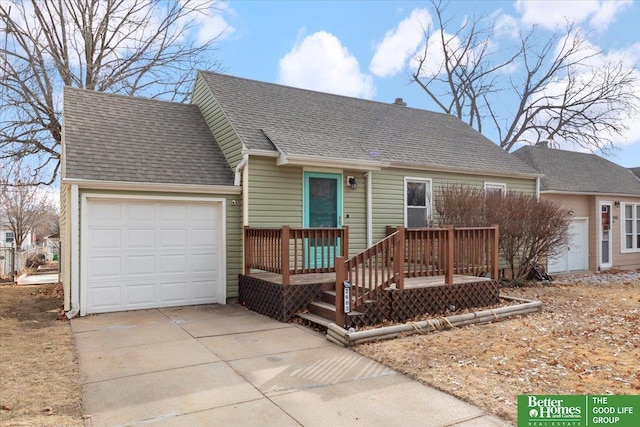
(280, 302)
(400, 306)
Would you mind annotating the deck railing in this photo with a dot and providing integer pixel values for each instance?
(415, 252)
(288, 251)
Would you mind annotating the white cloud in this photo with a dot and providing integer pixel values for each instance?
(212, 23)
(434, 62)
(320, 62)
(392, 53)
(600, 14)
(506, 26)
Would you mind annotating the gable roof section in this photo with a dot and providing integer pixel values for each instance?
(123, 138)
(303, 123)
(635, 171)
(574, 172)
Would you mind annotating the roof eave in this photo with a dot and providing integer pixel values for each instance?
(525, 175)
(151, 186)
(301, 160)
(588, 193)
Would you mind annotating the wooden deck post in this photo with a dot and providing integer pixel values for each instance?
(448, 274)
(495, 258)
(340, 277)
(399, 256)
(248, 253)
(344, 243)
(284, 241)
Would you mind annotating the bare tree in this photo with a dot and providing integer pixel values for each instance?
(530, 229)
(122, 46)
(23, 205)
(559, 88)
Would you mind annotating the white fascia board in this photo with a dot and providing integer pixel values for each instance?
(586, 193)
(298, 160)
(152, 186)
(398, 165)
(261, 153)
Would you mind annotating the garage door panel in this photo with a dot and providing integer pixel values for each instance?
(203, 263)
(203, 213)
(105, 267)
(105, 211)
(174, 292)
(105, 299)
(140, 265)
(141, 211)
(175, 238)
(141, 238)
(150, 253)
(174, 263)
(140, 294)
(202, 289)
(172, 212)
(105, 239)
(202, 237)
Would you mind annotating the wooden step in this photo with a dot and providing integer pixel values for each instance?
(329, 296)
(324, 309)
(315, 319)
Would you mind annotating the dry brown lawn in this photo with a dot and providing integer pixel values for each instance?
(38, 368)
(586, 340)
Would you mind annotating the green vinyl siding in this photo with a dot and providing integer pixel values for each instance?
(275, 197)
(388, 192)
(275, 194)
(355, 208)
(233, 228)
(217, 121)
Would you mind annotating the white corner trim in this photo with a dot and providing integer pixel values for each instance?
(369, 178)
(75, 250)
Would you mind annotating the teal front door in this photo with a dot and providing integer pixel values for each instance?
(322, 209)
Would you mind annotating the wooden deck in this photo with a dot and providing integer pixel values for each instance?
(330, 278)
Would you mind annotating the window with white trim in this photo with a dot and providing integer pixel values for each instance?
(417, 202)
(9, 237)
(630, 226)
(490, 187)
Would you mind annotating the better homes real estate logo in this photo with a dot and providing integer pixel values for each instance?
(578, 411)
(551, 410)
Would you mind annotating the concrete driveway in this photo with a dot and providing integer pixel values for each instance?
(225, 365)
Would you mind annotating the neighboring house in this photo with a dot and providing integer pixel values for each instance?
(605, 200)
(8, 238)
(154, 194)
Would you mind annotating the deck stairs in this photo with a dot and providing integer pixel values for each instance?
(322, 313)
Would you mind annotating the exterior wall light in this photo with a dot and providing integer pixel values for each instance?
(351, 180)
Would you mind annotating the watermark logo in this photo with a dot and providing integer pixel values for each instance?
(578, 411)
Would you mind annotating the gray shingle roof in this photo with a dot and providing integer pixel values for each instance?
(121, 138)
(579, 172)
(636, 171)
(302, 122)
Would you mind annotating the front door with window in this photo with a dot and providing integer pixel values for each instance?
(322, 209)
(605, 235)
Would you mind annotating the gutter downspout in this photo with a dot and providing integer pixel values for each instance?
(538, 188)
(239, 168)
(369, 178)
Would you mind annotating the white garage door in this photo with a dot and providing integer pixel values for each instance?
(575, 256)
(151, 253)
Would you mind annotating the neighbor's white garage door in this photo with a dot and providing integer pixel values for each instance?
(575, 257)
(151, 253)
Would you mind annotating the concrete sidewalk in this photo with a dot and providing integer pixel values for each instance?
(38, 279)
(225, 365)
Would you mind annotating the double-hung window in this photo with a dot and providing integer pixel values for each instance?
(417, 202)
(630, 227)
(494, 187)
(9, 237)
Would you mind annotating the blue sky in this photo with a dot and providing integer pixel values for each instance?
(358, 48)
